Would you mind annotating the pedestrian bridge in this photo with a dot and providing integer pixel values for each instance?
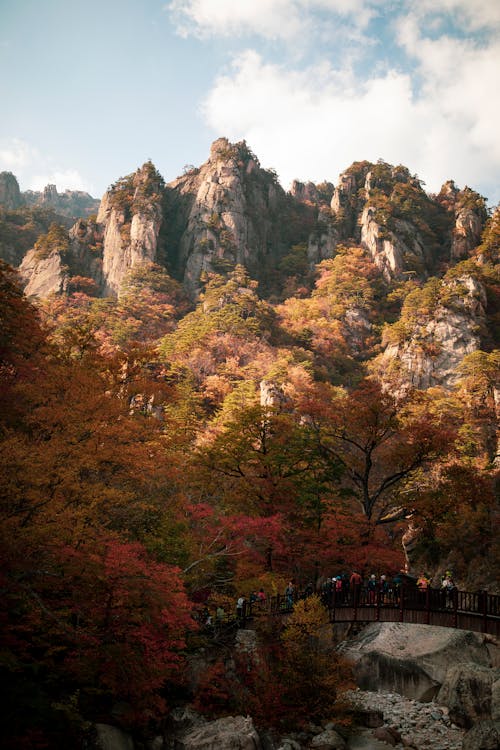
(478, 611)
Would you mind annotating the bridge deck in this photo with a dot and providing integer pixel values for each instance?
(477, 611)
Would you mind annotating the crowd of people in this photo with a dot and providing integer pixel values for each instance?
(353, 589)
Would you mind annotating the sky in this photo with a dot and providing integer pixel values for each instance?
(91, 90)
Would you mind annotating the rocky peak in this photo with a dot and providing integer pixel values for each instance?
(131, 212)
(50, 194)
(425, 348)
(71, 203)
(305, 192)
(226, 214)
(10, 195)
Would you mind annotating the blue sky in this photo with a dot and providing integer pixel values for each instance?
(91, 90)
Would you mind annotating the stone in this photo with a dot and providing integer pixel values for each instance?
(43, 276)
(228, 733)
(112, 738)
(467, 691)
(328, 740)
(411, 659)
(485, 735)
(383, 734)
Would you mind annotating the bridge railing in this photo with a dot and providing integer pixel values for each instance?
(460, 609)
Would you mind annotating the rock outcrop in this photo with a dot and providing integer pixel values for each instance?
(131, 216)
(43, 275)
(226, 214)
(10, 195)
(431, 348)
(412, 660)
(71, 203)
(469, 213)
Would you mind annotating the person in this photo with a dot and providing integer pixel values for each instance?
(448, 588)
(289, 592)
(309, 590)
(383, 587)
(338, 589)
(423, 582)
(261, 597)
(240, 610)
(397, 582)
(372, 589)
(326, 592)
(355, 582)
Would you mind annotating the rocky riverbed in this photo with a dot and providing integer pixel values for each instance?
(404, 722)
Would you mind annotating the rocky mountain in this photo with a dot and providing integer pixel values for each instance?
(71, 203)
(230, 211)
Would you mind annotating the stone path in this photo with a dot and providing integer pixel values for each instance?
(423, 726)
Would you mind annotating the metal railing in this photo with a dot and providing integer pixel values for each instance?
(479, 611)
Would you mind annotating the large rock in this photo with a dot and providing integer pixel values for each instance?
(431, 352)
(412, 660)
(328, 740)
(43, 275)
(467, 691)
(112, 738)
(483, 736)
(131, 214)
(227, 212)
(10, 195)
(229, 733)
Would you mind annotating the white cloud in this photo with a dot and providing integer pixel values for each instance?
(34, 171)
(271, 19)
(314, 123)
(470, 15)
(15, 154)
(68, 179)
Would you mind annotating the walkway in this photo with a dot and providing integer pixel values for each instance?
(477, 611)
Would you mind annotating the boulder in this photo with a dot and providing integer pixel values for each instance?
(467, 691)
(328, 740)
(411, 660)
(112, 738)
(384, 735)
(485, 735)
(229, 733)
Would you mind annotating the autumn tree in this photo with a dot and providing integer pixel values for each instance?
(380, 439)
(313, 674)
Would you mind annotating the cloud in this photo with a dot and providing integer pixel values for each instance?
(471, 16)
(68, 179)
(15, 154)
(271, 19)
(34, 171)
(313, 123)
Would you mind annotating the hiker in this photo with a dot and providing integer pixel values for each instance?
(355, 582)
(372, 589)
(241, 610)
(289, 592)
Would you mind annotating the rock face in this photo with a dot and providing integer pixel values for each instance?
(226, 214)
(468, 693)
(483, 736)
(433, 348)
(131, 216)
(469, 214)
(10, 195)
(43, 276)
(412, 660)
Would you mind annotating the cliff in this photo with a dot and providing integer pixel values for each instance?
(225, 213)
